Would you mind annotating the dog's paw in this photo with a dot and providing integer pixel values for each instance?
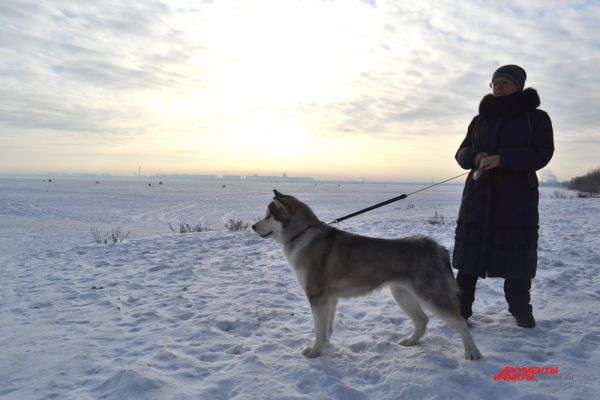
(472, 354)
(310, 352)
(408, 342)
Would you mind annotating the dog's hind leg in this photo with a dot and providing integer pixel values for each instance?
(453, 318)
(411, 306)
(323, 309)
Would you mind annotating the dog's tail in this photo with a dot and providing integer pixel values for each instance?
(454, 298)
(445, 256)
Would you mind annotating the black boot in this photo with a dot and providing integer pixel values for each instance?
(516, 292)
(466, 284)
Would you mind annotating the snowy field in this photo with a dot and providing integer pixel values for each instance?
(219, 315)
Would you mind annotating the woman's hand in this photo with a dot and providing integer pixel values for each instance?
(478, 157)
(489, 162)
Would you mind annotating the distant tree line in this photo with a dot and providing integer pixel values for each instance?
(589, 183)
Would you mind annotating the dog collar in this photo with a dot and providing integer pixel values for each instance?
(302, 232)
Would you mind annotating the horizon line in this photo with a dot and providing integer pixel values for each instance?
(234, 178)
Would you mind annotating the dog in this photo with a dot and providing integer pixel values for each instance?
(331, 264)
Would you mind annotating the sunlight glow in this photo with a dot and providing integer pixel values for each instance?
(270, 64)
(269, 135)
(270, 52)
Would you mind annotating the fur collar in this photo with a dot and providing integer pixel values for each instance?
(509, 106)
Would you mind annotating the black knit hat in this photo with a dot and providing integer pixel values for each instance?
(512, 72)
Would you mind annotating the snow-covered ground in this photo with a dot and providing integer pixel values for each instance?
(219, 315)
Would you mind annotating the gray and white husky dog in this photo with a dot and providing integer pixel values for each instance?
(331, 264)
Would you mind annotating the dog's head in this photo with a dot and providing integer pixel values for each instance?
(285, 216)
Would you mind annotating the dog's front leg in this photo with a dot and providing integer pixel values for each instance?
(321, 311)
(331, 318)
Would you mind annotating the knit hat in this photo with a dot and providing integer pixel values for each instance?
(512, 72)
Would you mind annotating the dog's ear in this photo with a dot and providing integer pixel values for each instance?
(282, 208)
(278, 200)
(280, 205)
(279, 210)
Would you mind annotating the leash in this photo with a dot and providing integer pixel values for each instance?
(384, 203)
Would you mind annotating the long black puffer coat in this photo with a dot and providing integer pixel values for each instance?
(497, 227)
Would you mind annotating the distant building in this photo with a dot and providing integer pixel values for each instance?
(232, 177)
(283, 178)
(200, 177)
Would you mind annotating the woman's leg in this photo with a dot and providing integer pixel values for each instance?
(516, 292)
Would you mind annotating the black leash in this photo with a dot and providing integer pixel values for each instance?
(402, 196)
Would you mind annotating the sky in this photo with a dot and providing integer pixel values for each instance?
(342, 89)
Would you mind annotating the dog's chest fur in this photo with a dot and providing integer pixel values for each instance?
(301, 255)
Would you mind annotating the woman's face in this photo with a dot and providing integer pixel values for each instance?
(503, 86)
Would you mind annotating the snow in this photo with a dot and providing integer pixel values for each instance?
(220, 315)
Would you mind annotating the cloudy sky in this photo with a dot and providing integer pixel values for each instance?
(331, 89)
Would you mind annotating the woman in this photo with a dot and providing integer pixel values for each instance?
(497, 227)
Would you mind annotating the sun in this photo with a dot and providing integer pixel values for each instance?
(268, 134)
